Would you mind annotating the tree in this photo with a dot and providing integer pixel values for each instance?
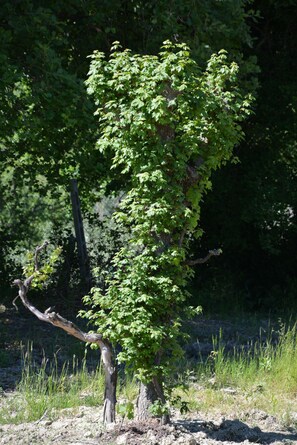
(168, 125)
(35, 276)
(46, 119)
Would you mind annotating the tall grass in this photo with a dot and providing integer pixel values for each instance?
(262, 376)
(270, 363)
(46, 388)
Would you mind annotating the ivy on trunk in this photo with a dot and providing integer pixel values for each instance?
(168, 125)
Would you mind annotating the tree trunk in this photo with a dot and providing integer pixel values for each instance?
(110, 370)
(148, 394)
(146, 397)
(83, 259)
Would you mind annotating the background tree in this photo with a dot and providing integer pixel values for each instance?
(168, 125)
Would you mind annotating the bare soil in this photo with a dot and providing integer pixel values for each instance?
(83, 427)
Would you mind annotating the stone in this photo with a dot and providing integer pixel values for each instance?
(151, 437)
(186, 440)
(123, 439)
(168, 440)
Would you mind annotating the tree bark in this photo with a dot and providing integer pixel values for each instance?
(111, 375)
(148, 394)
(83, 259)
(146, 397)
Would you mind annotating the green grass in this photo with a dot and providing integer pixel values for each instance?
(268, 365)
(47, 389)
(264, 377)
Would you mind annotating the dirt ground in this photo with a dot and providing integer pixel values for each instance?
(83, 426)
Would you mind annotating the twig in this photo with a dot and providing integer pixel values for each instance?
(42, 417)
(214, 252)
(14, 304)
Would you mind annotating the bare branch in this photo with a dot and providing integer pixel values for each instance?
(214, 252)
(14, 303)
(52, 317)
(37, 252)
(105, 346)
(29, 280)
(56, 319)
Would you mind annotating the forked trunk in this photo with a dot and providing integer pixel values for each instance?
(148, 394)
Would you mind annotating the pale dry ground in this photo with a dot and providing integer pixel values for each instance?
(83, 426)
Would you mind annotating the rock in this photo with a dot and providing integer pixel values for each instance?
(186, 440)
(151, 437)
(46, 422)
(123, 439)
(59, 424)
(88, 435)
(168, 440)
(257, 414)
(200, 435)
(228, 390)
(110, 426)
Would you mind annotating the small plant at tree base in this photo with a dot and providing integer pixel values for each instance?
(126, 410)
(158, 409)
(168, 125)
(181, 404)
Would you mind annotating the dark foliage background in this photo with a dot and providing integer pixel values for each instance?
(48, 133)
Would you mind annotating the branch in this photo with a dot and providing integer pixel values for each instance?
(214, 252)
(37, 251)
(56, 319)
(109, 365)
(28, 281)
(52, 317)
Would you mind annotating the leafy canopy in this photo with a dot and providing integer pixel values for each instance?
(168, 125)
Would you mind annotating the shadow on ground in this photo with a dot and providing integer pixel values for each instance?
(237, 431)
